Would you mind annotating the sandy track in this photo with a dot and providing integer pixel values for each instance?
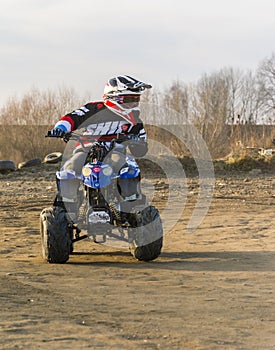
(210, 289)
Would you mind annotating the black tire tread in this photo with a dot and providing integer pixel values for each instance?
(154, 231)
(55, 235)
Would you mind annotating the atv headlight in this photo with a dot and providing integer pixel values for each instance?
(86, 171)
(116, 157)
(107, 171)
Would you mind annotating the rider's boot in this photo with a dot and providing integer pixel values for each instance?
(70, 206)
(69, 197)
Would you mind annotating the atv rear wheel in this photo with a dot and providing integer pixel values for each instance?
(146, 235)
(55, 235)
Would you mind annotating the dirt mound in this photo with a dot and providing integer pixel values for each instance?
(245, 163)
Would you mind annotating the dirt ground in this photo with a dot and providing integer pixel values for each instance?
(212, 288)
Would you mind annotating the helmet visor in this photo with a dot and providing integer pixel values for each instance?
(130, 101)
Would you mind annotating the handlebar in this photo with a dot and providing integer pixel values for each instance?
(66, 136)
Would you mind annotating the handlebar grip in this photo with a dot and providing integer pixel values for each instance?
(49, 134)
(64, 135)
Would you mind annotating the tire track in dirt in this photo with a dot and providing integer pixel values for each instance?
(210, 289)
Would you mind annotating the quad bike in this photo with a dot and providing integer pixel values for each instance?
(109, 205)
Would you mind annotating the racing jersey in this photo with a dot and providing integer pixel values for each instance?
(104, 120)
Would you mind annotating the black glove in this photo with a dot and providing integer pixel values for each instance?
(135, 138)
(56, 132)
(138, 147)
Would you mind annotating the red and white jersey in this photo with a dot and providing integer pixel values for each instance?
(103, 120)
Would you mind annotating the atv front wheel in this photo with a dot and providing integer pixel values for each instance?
(55, 235)
(146, 234)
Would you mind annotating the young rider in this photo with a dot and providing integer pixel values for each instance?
(118, 112)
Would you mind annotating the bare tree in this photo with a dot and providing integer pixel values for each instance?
(25, 121)
(39, 107)
(210, 109)
(266, 81)
(177, 98)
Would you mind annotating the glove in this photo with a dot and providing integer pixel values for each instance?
(57, 132)
(138, 148)
(135, 138)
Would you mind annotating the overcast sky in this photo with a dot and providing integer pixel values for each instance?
(81, 43)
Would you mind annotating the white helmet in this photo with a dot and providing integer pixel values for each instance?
(122, 95)
(124, 85)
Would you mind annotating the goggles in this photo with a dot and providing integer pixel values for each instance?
(127, 99)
